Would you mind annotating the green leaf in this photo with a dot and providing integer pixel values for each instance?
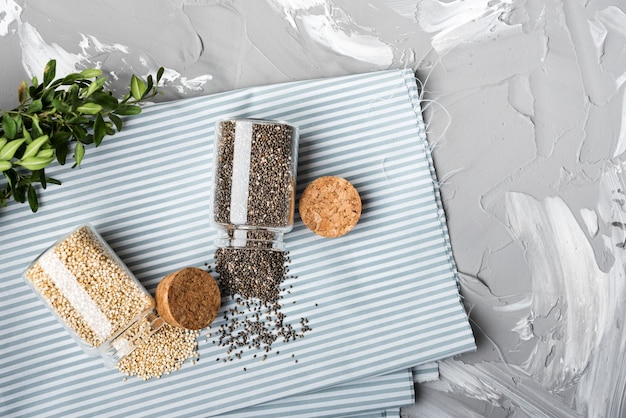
(19, 193)
(41, 175)
(150, 83)
(47, 96)
(34, 176)
(99, 130)
(106, 100)
(17, 118)
(9, 126)
(53, 181)
(61, 152)
(95, 86)
(89, 108)
(74, 107)
(117, 121)
(35, 91)
(35, 106)
(108, 128)
(35, 163)
(11, 177)
(71, 96)
(33, 148)
(128, 110)
(8, 151)
(49, 72)
(90, 73)
(160, 72)
(60, 137)
(79, 132)
(32, 198)
(35, 128)
(61, 106)
(22, 92)
(46, 153)
(79, 153)
(26, 135)
(70, 79)
(78, 120)
(137, 87)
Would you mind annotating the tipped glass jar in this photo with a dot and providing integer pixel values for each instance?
(94, 295)
(254, 182)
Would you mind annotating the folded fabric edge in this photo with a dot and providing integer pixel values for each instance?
(387, 413)
(364, 396)
(427, 372)
(414, 96)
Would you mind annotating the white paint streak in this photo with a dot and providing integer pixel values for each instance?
(608, 31)
(89, 43)
(10, 13)
(563, 269)
(36, 53)
(599, 84)
(464, 21)
(505, 386)
(620, 147)
(182, 84)
(590, 218)
(586, 344)
(405, 8)
(524, 329)
(331, 27)
(521, 305)
(365, 48)
(291, 8)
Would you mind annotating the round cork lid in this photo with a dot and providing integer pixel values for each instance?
(330, 206)
(189, 298)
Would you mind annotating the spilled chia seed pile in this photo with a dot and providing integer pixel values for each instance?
(253, 278)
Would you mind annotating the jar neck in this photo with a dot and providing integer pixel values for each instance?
(232, 236)
(126, 341)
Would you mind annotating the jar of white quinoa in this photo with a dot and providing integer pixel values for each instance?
(94, 295)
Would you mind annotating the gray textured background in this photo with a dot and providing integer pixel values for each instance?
(526, 113)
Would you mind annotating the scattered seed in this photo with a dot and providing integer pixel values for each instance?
(252, 275)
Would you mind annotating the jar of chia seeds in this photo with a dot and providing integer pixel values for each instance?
(94, 295)
(254, 182)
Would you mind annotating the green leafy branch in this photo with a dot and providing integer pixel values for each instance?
(57, 117)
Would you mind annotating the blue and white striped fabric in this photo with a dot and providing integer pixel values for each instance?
(426, 372)
(363, 398)
(380, 300)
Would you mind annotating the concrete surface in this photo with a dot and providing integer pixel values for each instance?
(525, 105)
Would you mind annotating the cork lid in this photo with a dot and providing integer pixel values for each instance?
(189, 298)
(330, 206)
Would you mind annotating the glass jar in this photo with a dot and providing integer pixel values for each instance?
(94, 295)
(254, 182)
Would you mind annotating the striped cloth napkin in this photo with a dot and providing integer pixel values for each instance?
(380, 300)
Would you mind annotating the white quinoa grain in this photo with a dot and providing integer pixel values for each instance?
(87, 288)
(95, 295)
(163, 352)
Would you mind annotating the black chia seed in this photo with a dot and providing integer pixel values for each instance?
(271, 184)
(253, 204)
(253, 276)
